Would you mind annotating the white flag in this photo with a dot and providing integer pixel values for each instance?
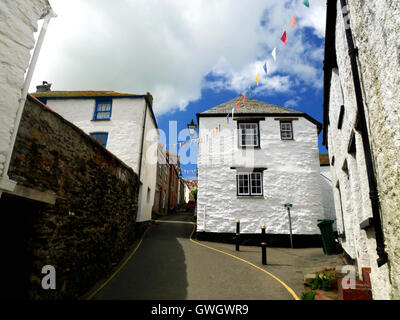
(273, 53)
(232, 112)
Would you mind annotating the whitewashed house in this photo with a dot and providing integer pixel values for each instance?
(251, 165)
(361, 129)
(328, 202)
(18, 23)
(123, 123)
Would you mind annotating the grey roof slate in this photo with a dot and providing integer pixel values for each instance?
(251, 106)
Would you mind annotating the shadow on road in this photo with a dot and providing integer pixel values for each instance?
(158, 269)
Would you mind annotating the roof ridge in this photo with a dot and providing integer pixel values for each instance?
(251, 105)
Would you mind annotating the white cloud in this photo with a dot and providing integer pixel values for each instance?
(167, 47)
(292, 103)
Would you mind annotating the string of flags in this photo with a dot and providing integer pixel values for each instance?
(206, 138)
(284, 39)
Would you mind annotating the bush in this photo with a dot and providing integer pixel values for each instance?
(324, 282)
(309, 295)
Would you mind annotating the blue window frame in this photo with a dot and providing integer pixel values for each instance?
(102, 110)
(101, 137)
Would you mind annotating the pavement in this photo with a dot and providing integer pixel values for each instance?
(169, 266)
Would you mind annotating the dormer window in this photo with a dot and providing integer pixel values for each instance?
(102, 110)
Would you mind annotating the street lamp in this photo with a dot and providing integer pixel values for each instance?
(192, 128)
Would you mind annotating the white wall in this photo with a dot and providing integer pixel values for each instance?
(124, 137)
(18, 22)
(375, 29)
(187, 192)
(292, 176)
(328, 202)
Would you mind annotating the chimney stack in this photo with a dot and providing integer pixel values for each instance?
(44, 87)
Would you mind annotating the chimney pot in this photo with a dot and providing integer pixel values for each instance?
(44, 87)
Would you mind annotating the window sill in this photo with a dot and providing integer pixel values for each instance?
(249, 147)
(250, 197)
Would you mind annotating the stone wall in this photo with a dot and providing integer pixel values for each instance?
(91, 226)
(18, 22)
(375, 27)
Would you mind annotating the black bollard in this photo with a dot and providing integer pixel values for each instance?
(263, 246)
(237, 234)
(264, 252)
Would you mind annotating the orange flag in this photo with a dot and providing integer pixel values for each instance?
(292, 21)
(244, 98)
(238, 103)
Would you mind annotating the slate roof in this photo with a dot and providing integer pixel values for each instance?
(254, 107)
(75, 94)
(251, 106)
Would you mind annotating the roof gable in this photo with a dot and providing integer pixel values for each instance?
(251, 106)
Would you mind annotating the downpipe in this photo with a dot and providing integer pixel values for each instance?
(363, 128)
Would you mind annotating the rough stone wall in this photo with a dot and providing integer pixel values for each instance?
(92, 222)
(18, 22)
(124, 137)
(375, 27)
(292, 175)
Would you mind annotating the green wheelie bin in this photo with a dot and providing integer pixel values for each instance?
(328, 238)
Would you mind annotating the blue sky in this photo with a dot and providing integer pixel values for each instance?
(190, 55)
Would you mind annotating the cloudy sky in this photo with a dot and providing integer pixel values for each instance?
(190, 55)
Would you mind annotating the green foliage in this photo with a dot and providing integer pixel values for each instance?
(324, 282)
(194, 193)
(309, 295)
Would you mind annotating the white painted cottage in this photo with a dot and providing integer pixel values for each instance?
(123, 123)
(18, 23)
(251, 165)
(361, 130)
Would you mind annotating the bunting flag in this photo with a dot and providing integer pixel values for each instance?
(219, 127)
(249, 91)
(233, 109)
(244, 98)
(284, 39)
(257, 79)
(238, 103)
(306, 3)
(223, 123)
(273, 53)
(227, 118)
(292, 21)
(265, 68)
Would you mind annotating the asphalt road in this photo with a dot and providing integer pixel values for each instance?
(168, 266)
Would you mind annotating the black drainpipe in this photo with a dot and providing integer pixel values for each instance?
(142, 143)
(362, 127)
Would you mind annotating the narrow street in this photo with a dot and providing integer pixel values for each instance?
(168, 265)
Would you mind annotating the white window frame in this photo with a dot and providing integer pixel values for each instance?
(240, 134)
(285, 131)
(250, 183)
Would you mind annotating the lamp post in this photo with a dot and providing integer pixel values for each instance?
(192, 129)
(288, 206)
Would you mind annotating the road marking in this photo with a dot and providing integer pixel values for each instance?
(120, 267)
(243, 260)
